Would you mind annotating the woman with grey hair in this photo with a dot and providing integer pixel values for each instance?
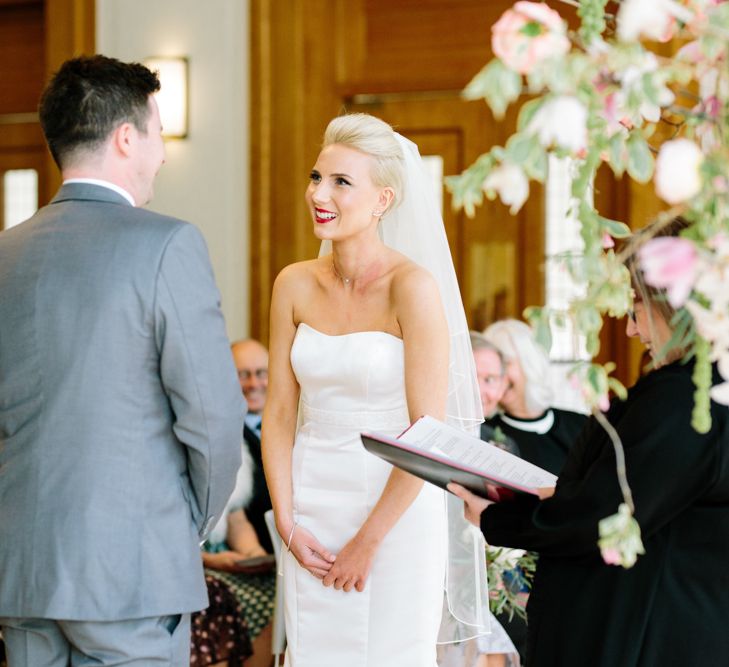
(544, 433)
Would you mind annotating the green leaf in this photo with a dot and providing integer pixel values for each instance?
(527, 112)
(640, 158)
(497, 84)
(617, 153)
(539, 319)
(617, 388)
(520, 147)
(616, 229)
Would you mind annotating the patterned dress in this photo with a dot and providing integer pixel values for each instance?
(241, 605)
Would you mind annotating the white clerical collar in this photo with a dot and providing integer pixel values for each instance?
(103, 184)
(541, 425)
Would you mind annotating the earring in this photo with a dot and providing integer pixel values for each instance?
(377, 213)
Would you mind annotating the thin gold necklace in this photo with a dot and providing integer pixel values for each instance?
(346, 281)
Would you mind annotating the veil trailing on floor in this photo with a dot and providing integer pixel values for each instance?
(415, 229)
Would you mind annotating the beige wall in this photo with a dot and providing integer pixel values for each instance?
(205, 180)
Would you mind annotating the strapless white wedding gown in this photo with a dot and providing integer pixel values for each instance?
(349, 384)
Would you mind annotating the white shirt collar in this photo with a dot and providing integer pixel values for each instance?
(103, 184)
(541, 425)
(253, 419)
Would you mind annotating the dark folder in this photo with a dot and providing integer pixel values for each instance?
(520, 476)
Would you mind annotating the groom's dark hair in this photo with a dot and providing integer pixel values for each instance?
(87, 98)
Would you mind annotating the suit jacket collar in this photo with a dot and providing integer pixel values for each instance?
(88, 192)
(250, 435)
(254, 444)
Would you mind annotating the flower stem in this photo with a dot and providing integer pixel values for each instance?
(619, 458)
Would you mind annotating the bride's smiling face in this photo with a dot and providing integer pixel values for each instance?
(341, 196)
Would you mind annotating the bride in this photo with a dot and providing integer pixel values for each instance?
(364, 338)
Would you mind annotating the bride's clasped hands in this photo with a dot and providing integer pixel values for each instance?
(346, 571)
(310, 553)
(352, 565)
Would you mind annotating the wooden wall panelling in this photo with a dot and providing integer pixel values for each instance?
(415, 45)
(293, 96)
(70, 30)
(21, 57)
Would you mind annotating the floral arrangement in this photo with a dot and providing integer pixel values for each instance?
(605, 94)
(510, 573)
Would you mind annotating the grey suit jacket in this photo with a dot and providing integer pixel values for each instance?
(120, 411)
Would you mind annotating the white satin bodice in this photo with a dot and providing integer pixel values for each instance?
(355, 373)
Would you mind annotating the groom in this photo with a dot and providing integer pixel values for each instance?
(120, 414)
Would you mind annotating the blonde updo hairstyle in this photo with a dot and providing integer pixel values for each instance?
(373, 137)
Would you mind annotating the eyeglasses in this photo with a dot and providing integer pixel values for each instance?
(259, 374)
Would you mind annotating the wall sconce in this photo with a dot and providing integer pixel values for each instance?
(172, 96)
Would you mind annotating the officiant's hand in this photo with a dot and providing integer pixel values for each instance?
(311, 554)
(473, 505)
(352, 565)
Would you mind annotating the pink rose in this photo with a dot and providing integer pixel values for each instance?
(672, 264)
(529, 33)
(612, 556)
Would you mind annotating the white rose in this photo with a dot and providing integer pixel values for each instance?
(507, 559)
(511, 184)
(678, 171)
(653, 19)
(561, 121)
(720, 392)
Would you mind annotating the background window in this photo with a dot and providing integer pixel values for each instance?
(20, 190)
(563, 244)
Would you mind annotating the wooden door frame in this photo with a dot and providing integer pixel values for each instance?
(69, 30)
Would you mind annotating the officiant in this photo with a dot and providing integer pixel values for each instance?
(671, 606)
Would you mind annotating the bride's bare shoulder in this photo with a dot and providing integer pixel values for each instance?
(299, 275)
(412, 281)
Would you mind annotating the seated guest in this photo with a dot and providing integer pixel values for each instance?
(492, 383)
(231, 629)
(240, 535)
(251, 361)
(671, 606)
(219, 633)
(543, 433)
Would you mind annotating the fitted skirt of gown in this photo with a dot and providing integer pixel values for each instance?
(394, 622)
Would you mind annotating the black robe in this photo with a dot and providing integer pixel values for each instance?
(672, 607)
(546, 450)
